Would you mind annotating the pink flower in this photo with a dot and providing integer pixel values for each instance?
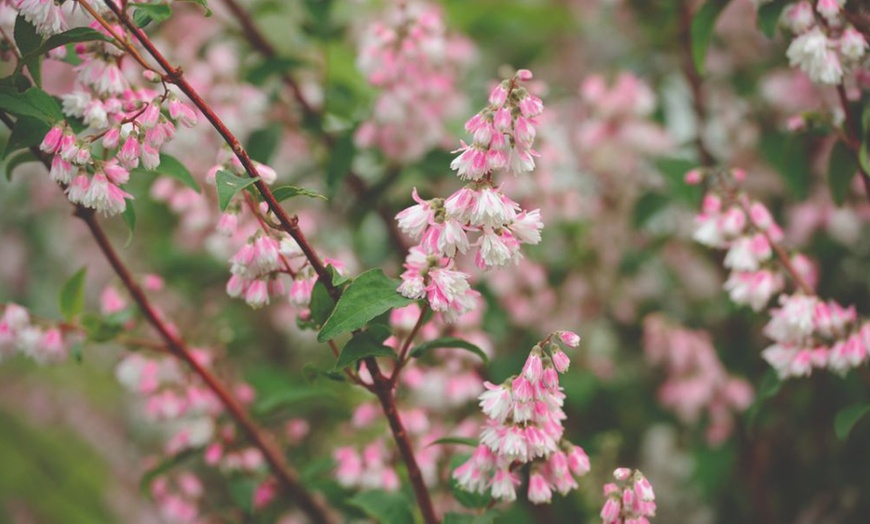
(539, 489)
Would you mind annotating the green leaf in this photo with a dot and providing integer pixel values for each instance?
(262, 143)
(769, 15)
(163, 467)
(129, 216)
(22, 157)
(73, 36)
(26, 37)
(368, 343)
(276, 65)
(312, 372)
(767, 389)
(72, 295)
(28, 41)
(847, 418)
(145, 13)
(291, 397)
(171, 166)
(647, 206)
(284, 192)
(321, 304)
(384, 507)
(367, 296)
(203, 3)
(842, 167)
(27, 132)
(448, 342)
(463, 441)
(340, 159)
(703, 25)
(788, 154)
(228, 185)
(242, 491)
(862, 157)
(102, 329)
(464, 518)
(34, 103)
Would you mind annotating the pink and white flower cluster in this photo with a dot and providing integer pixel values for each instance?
(126, 128)
(629, 500)
(697, 382)
(810, 333)
(524, 426)
(825, 44)
(185, 408)
(19, 335)
(478, 215)
(747, 230)
(409, 56)
(45, 15)
(807, 332)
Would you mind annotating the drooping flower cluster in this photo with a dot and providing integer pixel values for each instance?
(810, 333)
(409, 56)
(524, 426)
(825, 45)
(696, 379)
(478, 215)
(125, 128)
(19, 334)
(629, 500)
(807, 331)
(746, 229)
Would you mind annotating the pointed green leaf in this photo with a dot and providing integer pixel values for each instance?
(385, 507)
(34, 103)
(465, 518)
(129, 216)
(26, 37)
(203, 3)
(847, 418)
(228, 185)
(22, 157)
(321, 304)
(463, 441)
(367, 296)
(284, 192)
(368, 343)
(769, 15)
(72, 295)
(842, 167)
(448, 342)
(145, 13)
(703, 25)
(27, 132)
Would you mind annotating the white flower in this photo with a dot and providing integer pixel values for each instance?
(812, 53)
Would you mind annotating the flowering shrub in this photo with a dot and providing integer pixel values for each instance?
(240, 282)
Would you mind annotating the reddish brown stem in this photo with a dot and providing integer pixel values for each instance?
(259, 41)
(175, 76)
(403, 353)
(312, 506)
(383, 388)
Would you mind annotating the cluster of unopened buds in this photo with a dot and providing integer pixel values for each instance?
(696, 379)
(479, 214)
(409, 56)
(125, 128)
(629, 500)
(807, 331)
(825, 44)
(18, 334)
(524, 426)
